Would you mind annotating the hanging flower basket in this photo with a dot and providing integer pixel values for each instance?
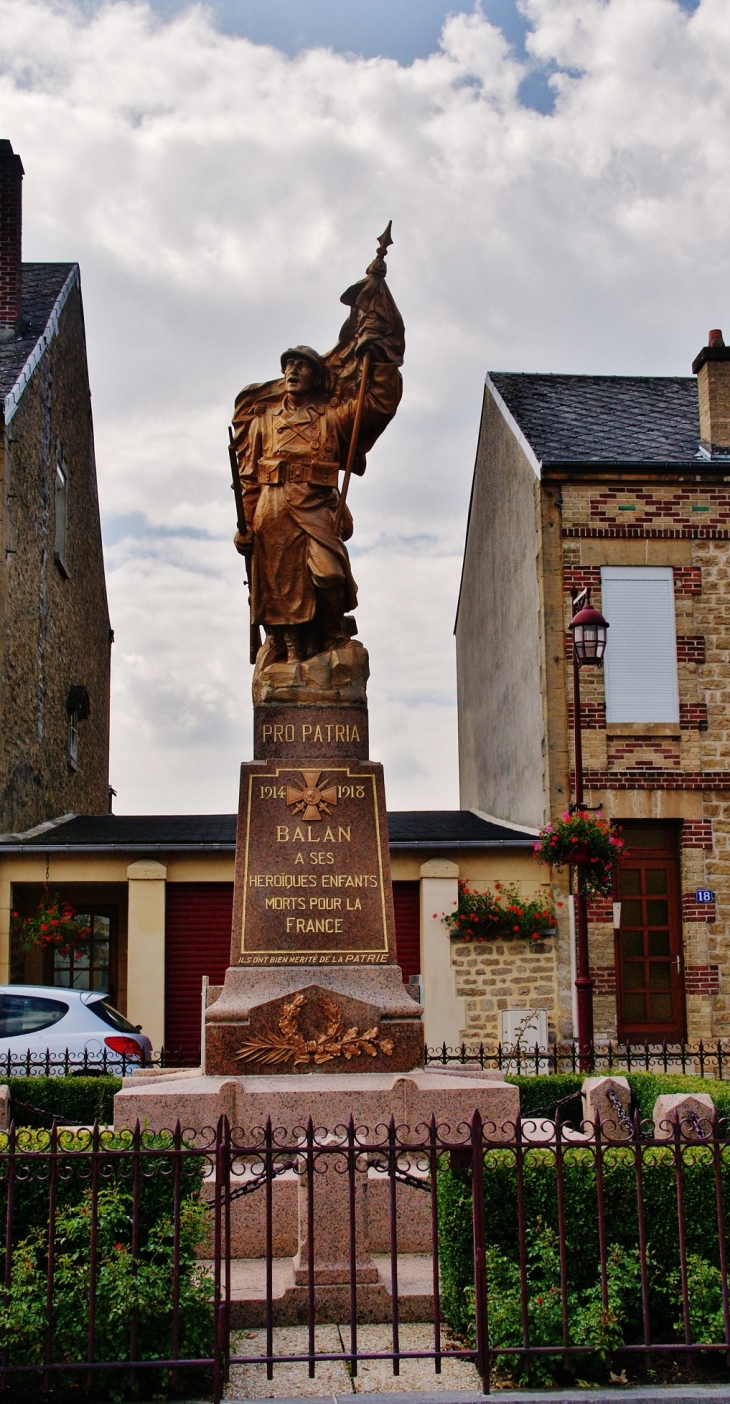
(501, 915)
(54, 925)
(586, 840)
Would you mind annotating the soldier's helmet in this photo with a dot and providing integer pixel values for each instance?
(306, 353)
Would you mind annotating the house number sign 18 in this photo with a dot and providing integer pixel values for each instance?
(704, 894)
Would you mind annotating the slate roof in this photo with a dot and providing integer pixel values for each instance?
(42, 284)
(605, 418)
(150, 833)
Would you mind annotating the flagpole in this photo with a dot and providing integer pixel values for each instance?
(353, 443)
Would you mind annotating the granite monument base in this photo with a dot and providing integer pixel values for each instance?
(158, 1100)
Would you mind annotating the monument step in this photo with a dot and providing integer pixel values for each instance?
(332, 1302)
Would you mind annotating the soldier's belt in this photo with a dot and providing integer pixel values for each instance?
(277, 471)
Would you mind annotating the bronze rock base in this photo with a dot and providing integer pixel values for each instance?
(337, 676)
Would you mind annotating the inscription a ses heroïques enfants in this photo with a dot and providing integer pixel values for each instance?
(319, 889)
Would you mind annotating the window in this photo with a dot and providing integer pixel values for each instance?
(90, 969)
(78, 709)
(641, 654)
(27, 1014)
(111, 1016)
(61, 516)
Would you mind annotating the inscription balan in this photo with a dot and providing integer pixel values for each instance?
(322, 901)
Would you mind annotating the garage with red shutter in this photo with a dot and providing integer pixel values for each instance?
(407, 907)
(197, 942)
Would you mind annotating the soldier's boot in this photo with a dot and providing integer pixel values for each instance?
(330, 614)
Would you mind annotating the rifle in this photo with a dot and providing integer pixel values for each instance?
(254, 633)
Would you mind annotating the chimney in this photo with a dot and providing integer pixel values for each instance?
(712, 368)
(11, 217)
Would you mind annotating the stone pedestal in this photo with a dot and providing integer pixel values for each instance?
(331, 1222)
(313, 979)
(451, 1094)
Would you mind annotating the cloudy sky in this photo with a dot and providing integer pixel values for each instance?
(557, 173)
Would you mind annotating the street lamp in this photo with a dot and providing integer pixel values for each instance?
(588, 628)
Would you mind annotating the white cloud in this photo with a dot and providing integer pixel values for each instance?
(219, 196)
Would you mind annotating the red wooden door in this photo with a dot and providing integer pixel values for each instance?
(407, 905)
(197, 942)
(649, 965)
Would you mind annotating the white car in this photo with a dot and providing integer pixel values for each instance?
(48, 1030)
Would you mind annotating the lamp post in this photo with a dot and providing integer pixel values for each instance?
(588, 628)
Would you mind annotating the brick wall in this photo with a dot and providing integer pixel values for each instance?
(702, 979)
(650, 752)
(605, 980)
(687, 580)
(692, 910)
(11, 208)
(690, 648)
(693, 716)
(592, 715)
(697, 833)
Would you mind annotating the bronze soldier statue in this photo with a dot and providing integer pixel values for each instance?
(291, 438)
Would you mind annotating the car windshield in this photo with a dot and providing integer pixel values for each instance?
(27, 1014)
(111, 1016)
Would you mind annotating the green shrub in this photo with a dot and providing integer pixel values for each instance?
(124, 1287)
(704, 1290)
(589, 1323)
(79, 1101)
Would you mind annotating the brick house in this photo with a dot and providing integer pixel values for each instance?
(54, 622)
(620, 484)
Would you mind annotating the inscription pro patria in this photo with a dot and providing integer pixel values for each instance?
(322, 898)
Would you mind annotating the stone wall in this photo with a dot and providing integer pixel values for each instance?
(54, 631)
(497, 975)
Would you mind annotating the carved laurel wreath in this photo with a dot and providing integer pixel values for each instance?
(336, 1041)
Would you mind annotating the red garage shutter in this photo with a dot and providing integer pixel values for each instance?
(407, 904)
(197, 943)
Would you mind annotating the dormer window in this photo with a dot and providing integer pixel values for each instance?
(59, 551)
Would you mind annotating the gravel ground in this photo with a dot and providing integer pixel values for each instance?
(374, 1376)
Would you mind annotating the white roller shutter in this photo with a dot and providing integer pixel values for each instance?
(641, 653)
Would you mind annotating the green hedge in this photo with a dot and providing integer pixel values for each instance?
(542, 1093)
(646, 1087)
(78, 1101)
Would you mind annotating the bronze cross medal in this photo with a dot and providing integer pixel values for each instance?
(312, 800)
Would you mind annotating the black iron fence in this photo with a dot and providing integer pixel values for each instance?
(547, 1248)
(88, 1063)
(701, 1059)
